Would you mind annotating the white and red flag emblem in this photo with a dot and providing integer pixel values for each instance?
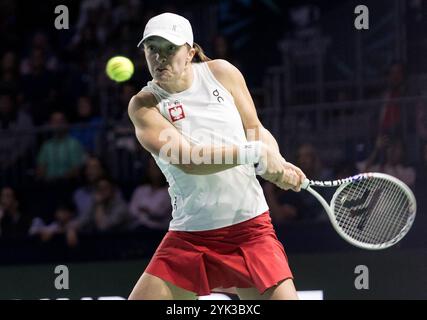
(176, 112)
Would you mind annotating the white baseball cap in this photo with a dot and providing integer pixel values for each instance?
(171, 27)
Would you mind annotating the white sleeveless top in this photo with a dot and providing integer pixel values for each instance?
(205, 113)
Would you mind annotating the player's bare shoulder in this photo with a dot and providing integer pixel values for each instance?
(142, 99)
(221, 67)
(140, 104)
(225, 72)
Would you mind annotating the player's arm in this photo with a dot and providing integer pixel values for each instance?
(160, 137)
(232, 79)
(278, 169)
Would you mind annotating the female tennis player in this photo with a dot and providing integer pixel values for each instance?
(197, 118)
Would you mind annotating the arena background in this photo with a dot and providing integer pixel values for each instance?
(329, 93)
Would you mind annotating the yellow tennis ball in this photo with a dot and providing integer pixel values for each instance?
(119, 68)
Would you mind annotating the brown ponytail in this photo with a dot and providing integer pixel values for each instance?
(200, 54)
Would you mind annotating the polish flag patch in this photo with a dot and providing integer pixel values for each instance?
(176, 112)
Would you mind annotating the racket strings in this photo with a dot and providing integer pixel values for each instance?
(400, 207)
(380, 218)
(354, 223)
(345, 216)
(398, 219)
(386, 222)
(381, 222)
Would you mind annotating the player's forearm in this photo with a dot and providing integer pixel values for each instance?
(262, 134)
(268, 139)
(203, 160)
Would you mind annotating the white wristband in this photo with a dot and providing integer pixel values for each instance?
(249, 153)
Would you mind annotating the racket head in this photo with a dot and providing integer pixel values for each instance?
(373, 212)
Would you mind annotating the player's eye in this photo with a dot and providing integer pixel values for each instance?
(151, 48)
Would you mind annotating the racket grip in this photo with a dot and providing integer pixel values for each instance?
(305, 184)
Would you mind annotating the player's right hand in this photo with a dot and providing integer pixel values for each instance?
(280, 172)
(292, 177)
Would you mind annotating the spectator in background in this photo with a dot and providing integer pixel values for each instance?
(61, 156)
(40, 42)
(388, 157)
(416, 41)
(309, 161)
(128, 90)
(282, 209)
(305, 21)
(13, 222)
(390, 120)
(88, 12)
(39, 87)
(60, 226)
(151, 204)
(287, 206)
(223, 50)
(9, 24)
(87, 124)
(84, 196)
(344, 170)
(93, 28)
(109, 212)
(16, 138)
(127, 12)
(9, 76)
(121, 142)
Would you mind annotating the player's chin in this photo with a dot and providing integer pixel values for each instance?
(163, 77)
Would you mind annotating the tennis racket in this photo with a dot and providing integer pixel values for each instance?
(369, 210)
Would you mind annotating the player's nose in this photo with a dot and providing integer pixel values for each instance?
(160, 58)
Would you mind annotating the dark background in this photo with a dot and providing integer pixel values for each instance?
(315, 81)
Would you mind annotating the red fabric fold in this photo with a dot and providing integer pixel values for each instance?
(244, 255)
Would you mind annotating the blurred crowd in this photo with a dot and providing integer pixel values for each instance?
(60, 116)
(64, 125)
(97, 205)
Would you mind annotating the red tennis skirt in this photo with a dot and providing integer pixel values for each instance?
(244, 255)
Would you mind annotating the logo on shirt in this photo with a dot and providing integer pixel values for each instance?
(176, 111)
(217, 96)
